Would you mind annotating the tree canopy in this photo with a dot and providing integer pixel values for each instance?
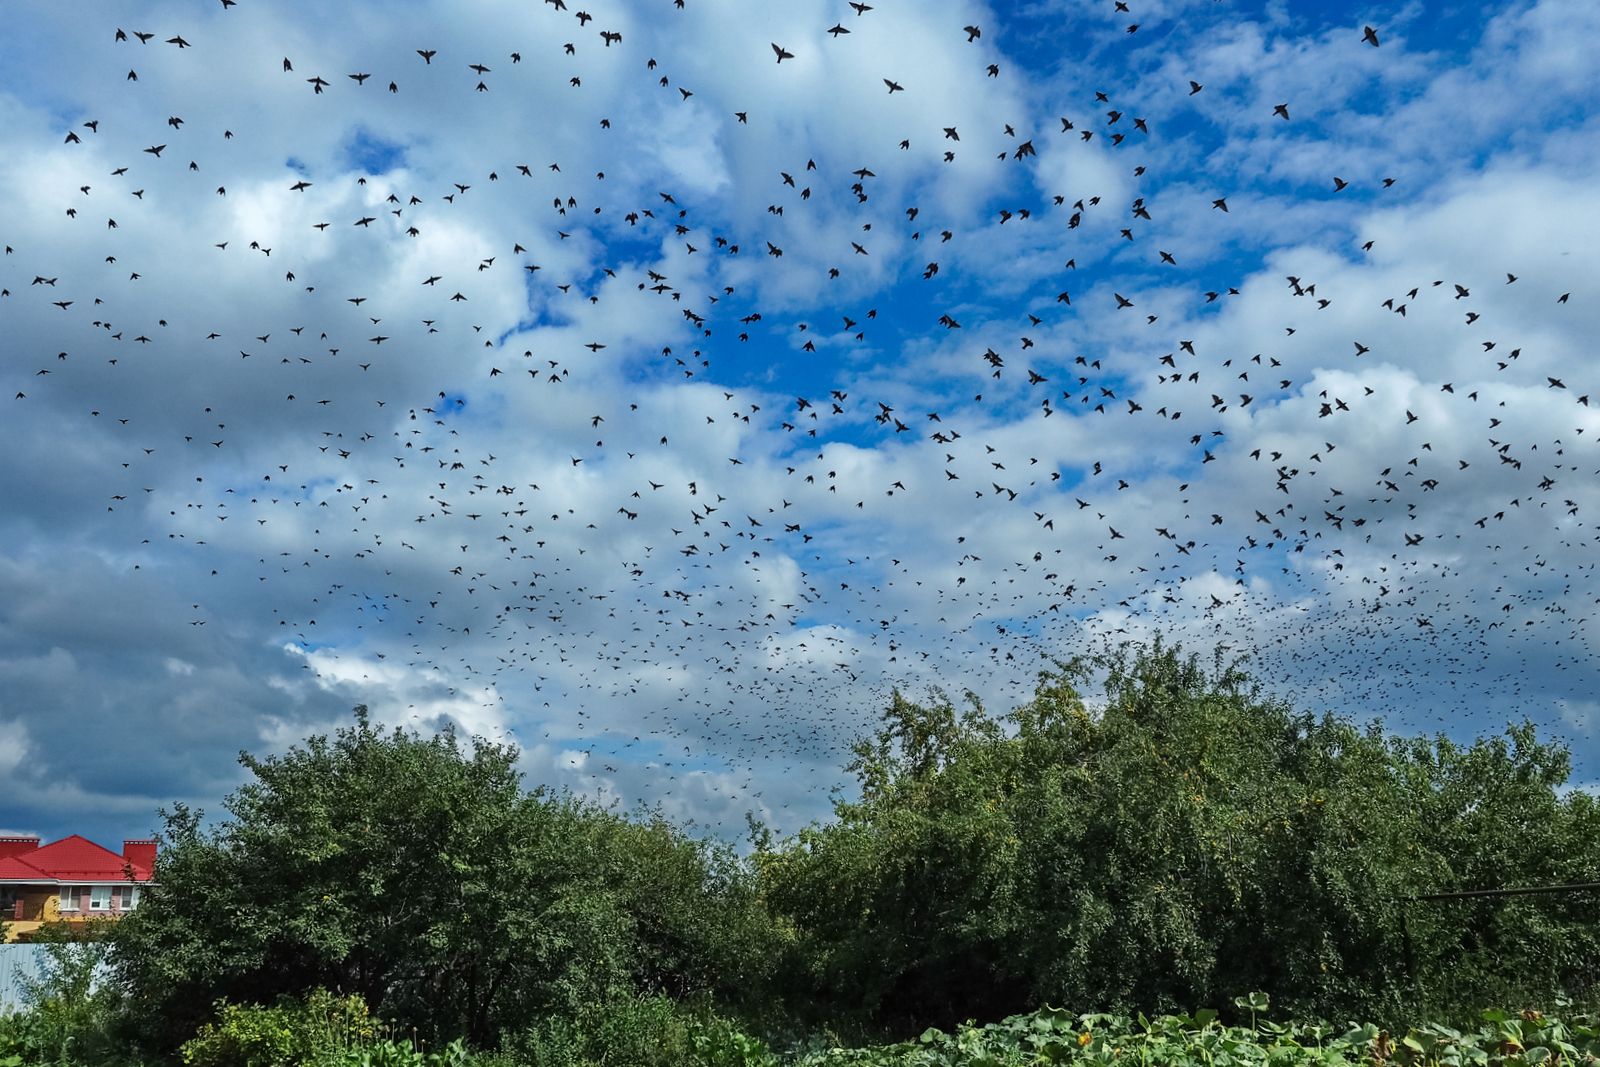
(1183, 841)
(1179, 840)
(416, 872)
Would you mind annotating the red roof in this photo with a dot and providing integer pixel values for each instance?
(77, 859)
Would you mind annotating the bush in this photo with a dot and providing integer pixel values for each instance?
(641, 1032)
(68, 1005)
(319, 1030)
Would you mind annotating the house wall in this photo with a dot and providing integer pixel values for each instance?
(44, 906)
(39, 906)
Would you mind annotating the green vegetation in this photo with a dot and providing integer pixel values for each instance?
(70, 1016)
(1189, 843)
(1051, 1036)
(386, 898)
(416, 873)
(323, 1029)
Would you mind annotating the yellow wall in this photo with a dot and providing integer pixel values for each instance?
(41, 908)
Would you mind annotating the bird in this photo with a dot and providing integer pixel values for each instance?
(1229, 499)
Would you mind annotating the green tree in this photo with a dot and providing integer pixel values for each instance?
(1187, 842)
(417, 873)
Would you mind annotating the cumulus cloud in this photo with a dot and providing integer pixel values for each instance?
(457, 401)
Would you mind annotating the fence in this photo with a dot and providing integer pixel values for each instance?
(17, 961)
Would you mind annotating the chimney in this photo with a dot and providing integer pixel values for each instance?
(17, 845)
(141, 854)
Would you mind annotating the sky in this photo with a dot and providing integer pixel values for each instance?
(657, 386)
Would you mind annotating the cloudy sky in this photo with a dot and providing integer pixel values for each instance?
(659, 385)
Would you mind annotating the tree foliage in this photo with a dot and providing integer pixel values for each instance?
(1185, 842)
(1180, 840)
(417, 873)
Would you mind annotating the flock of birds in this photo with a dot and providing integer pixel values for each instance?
(589, 510)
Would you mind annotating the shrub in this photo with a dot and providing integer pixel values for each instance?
(320, 1030)
(68, 1004)
(641, 1032)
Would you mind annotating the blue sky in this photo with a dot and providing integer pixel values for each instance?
(1075, 335)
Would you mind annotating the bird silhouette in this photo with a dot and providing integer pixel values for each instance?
(653, 530)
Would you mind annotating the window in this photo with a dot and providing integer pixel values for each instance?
(130, 897)
(69, 898)
(100, 898)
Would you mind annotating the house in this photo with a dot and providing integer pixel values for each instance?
(73, 879)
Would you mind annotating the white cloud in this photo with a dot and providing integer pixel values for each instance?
(14, 745)
(453, 536)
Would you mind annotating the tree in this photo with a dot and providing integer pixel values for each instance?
(416, 872)
(1188, 842)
